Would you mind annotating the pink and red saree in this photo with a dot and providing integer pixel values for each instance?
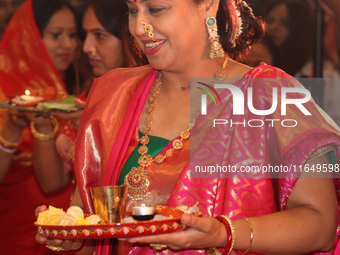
(108, 134)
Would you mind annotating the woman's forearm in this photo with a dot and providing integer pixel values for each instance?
(12, 134)
(295, 231)
(48, 165)
(307, 225)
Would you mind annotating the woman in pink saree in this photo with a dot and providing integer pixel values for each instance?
(141, 130)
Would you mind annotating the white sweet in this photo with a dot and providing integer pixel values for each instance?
(93, 219)
(189, 210)
(76, 212)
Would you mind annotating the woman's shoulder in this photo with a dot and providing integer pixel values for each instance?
(265, 77)
(266, 71)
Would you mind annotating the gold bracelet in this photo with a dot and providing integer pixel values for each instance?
(8, 144)
(251, 235)
(43, 137)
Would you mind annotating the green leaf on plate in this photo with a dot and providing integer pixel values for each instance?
(66, 103)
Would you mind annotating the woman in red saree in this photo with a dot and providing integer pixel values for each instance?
(107, 44)
(151, 108)
(28, 61)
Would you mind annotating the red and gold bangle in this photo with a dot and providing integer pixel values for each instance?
(230, 232)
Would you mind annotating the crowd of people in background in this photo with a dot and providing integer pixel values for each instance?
(291, 44)
(73, 43)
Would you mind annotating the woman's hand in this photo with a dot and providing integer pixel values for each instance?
(74, 117)
(66, 245)
(17, 119)
(42, 124)
(203, 232)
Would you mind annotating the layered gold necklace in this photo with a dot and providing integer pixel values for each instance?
(137, 179)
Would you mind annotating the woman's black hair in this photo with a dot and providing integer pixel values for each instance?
(253, 28)
(298, 48)
(43, 10)
(112, 15)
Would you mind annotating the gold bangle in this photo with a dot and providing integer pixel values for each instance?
(251, 235)
(43, 137)
(8, 144)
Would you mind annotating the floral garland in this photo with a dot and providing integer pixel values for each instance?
(235, 16)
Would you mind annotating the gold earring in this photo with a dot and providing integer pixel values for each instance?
(216, 50)
(93, 51)
(148, 28)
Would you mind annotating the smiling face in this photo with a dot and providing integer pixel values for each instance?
(179, 31)
(277, 23)
(60, 39)
(105, 51)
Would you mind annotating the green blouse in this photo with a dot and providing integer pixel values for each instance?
(154, 147)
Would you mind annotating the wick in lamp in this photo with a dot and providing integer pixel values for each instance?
(27, 96)
(142, 213)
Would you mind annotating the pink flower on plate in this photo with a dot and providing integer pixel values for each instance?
(165, 227)
(55, 233)
(64, 232)
(140, 229)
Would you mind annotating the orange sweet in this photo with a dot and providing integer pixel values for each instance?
(49, 93)
(61, 95)
(35, 93)
(169, 212)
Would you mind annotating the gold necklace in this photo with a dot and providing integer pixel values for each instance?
(137, 179)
